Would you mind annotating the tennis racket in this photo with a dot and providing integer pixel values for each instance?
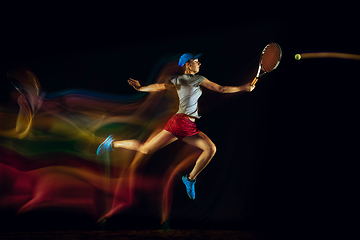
(269, 60)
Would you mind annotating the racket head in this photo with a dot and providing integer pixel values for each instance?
(270, 57)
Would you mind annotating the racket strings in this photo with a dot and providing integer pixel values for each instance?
(270, 57)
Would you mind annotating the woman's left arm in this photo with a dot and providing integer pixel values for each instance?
(226, 89)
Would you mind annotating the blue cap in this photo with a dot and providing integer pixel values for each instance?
(186, 57)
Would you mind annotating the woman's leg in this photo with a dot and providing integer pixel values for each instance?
(203, 142)
(160, 140)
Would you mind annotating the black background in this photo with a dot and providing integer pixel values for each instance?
(284, 160)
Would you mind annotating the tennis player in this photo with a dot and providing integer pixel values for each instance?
(182, 125)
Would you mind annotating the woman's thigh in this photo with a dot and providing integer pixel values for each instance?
(201, 141)
(160, 140)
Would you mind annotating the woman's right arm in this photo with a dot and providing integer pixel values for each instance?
(226, 89)
(156, 87)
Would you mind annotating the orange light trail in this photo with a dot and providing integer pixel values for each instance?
(327, 55)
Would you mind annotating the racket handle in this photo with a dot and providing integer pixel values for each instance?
(254, 81)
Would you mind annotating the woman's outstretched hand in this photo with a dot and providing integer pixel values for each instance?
(134, 83)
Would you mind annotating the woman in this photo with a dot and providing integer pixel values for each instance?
(182, 125)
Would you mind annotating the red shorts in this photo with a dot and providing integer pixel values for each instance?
(181, 126)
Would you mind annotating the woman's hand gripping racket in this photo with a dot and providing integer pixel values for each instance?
(269, 60)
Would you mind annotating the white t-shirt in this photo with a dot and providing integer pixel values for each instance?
(189, 92)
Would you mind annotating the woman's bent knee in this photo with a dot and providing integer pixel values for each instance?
(145, 150)
(211, 150)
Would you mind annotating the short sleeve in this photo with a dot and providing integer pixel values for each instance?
(175, 81)
(198, 79)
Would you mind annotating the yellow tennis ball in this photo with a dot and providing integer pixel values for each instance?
(297, 56)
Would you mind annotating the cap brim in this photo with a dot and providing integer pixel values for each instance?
(197, 56)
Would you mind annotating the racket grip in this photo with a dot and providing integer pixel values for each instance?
(254, 81)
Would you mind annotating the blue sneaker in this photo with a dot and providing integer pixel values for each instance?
(105, 146)
(190, 187)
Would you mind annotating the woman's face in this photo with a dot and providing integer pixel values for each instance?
(194, 65)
